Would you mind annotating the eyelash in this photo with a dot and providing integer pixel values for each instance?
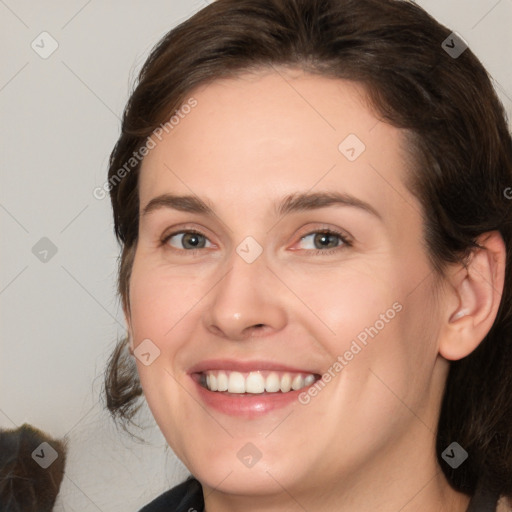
(323, 252)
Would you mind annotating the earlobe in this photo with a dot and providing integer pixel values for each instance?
(476, 291)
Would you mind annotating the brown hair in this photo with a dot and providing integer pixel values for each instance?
(458, 138)
(25, 485)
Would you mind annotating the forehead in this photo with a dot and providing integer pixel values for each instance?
(249, 140)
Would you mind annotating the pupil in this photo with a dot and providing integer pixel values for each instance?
(323, 239)
(193, 239)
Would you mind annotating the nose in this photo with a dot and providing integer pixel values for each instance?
(248, 301)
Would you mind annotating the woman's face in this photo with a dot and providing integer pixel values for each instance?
(278, 284)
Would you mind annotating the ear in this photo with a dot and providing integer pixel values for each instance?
(474, 296)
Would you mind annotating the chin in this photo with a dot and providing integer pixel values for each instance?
(240, 469)
(253, 482)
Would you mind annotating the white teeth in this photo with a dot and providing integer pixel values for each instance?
(286, 383)
(273, 382)
(309, 380)
(297, 382)
(236, 383)
(213, 383)
(222, 381)
(255, 382)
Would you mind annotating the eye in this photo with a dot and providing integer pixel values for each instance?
(321, 241)
(188, 240)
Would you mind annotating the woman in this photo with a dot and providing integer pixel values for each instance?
(311, 198)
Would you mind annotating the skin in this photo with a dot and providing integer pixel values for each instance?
(367, 440)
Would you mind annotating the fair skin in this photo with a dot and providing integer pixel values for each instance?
(367, 440)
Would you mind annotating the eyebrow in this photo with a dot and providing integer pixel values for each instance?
(297, 202)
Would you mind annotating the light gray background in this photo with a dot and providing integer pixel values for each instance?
(60, 318)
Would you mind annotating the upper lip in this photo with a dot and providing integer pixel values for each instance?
(245, 366)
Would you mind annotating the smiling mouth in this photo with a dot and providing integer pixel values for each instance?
(255, 382)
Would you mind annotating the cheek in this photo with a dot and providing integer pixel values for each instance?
(159, 304)
(342, 302)
(161, 298)
(380, 324)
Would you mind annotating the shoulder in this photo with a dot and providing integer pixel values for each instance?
(185, 497)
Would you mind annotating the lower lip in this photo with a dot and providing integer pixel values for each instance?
(247, 404)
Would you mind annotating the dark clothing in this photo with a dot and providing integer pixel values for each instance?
(185, 497)
(188, 497)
